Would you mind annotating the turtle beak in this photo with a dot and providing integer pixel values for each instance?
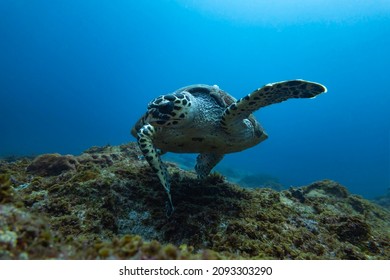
(264, 136)
(152, 116)
(137, 126)
(134, 132)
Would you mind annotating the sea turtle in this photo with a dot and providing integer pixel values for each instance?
(207, 120)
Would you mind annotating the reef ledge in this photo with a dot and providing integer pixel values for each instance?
(107, 203)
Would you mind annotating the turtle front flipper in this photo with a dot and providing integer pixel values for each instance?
(205, 162)
(267, 95)
(152, 155)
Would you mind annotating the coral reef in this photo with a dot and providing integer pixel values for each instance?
(107, 203)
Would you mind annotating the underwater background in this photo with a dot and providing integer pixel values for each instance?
(75, 74)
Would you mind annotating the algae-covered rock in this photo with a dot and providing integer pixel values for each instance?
(52, 164)
(24, 235)
(6, 191)
(107, 203)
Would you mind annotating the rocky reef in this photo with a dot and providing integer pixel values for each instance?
(108, 204)
(383, 200)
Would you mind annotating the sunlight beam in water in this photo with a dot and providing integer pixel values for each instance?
(278, 12)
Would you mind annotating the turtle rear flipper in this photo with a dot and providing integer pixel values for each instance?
(152, 156)
(267, 95)
(205, 162)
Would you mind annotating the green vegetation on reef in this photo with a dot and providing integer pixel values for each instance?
(107, 203)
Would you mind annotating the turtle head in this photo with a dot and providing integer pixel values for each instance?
(171, 110)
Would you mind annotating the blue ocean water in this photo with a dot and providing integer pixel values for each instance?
(74, 74)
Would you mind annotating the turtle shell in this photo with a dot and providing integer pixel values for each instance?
(221, 97)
